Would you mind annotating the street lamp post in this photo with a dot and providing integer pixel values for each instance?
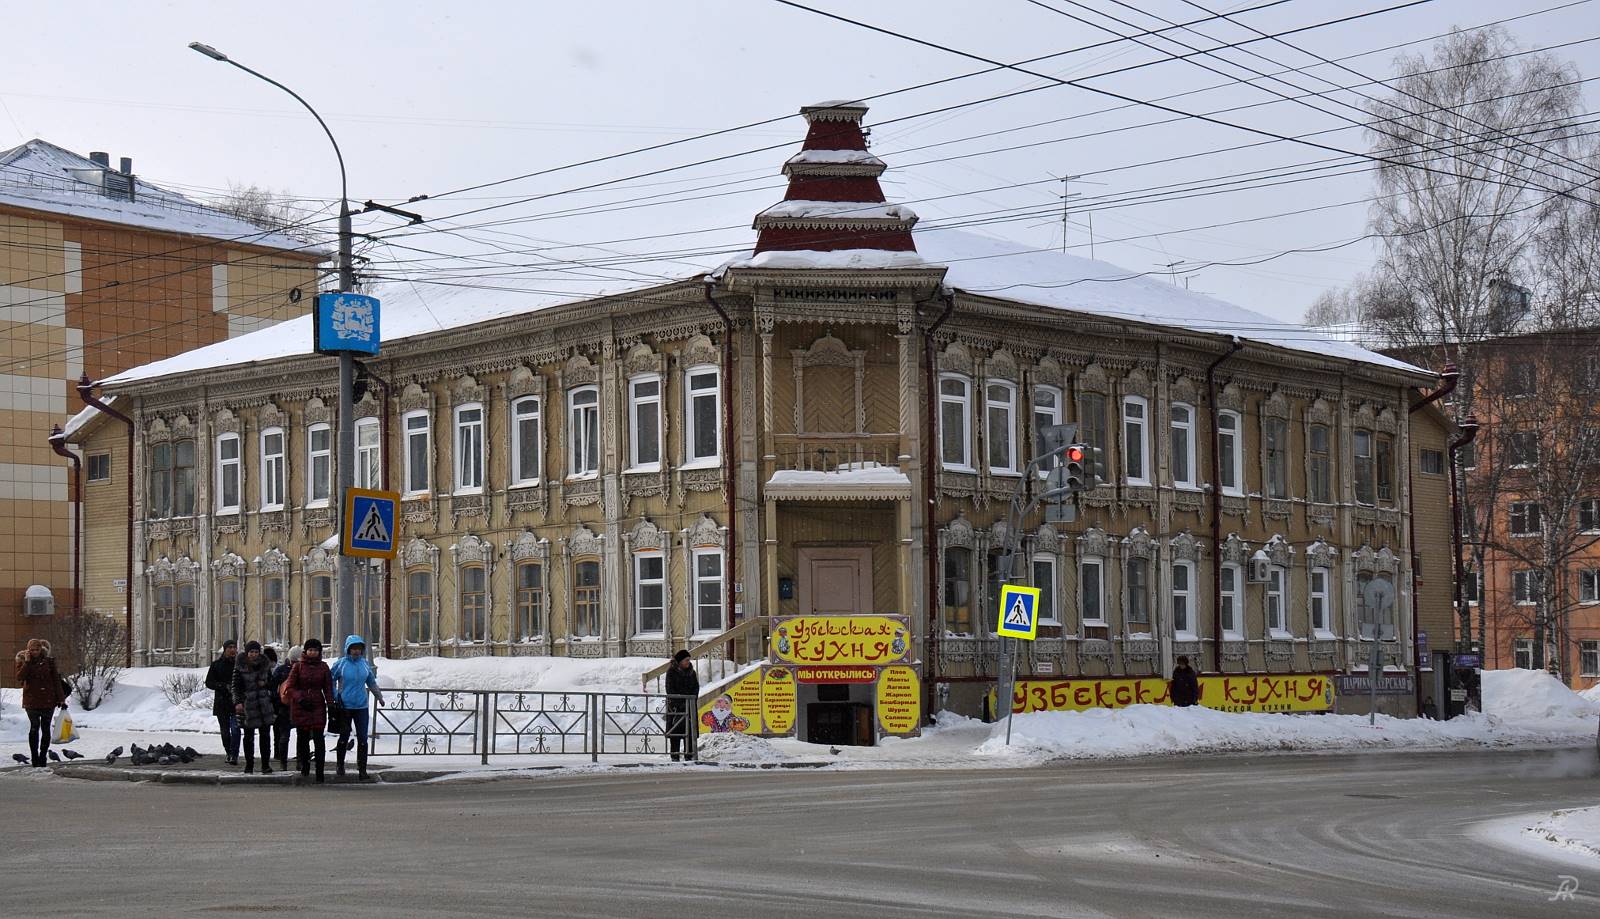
(344, 613)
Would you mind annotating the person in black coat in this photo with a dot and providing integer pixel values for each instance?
(683, 685)
(219, 679)
(1185, 684)
(280, 722)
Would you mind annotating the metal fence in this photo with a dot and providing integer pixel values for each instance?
(484, 723)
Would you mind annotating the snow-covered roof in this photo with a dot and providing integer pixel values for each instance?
(850, 210)
(833, 158)
(79, 421)
(835, 258)
(986, 266)
(408, 310)
(41, 176)
(851, 480)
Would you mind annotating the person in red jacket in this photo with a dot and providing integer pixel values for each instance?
(42, 691)
(310, 692)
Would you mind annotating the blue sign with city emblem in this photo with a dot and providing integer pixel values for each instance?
(346, 323)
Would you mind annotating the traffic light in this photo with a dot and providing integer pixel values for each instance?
(1096, 467)
(1073, 477)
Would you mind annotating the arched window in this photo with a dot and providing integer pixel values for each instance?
(586, 599)
(529, 625)
(474, 609)
(419, 607)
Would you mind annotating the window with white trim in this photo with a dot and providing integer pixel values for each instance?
(1092, 591)
(1228, 453)
(1137, 590)
(272, 469)
(1046, 410)
(1522, 653)
(1183, 599)
(708, 596)
(1000, 431)
(369, 453)
(525, 441)
(1317, 592)
(319, 464)
(649, 593)
(469, 448)
(702, 416)
(1472, 586)
(644, 423)
(1526, 518)
(1136, 440)
(583, 433)
(228, 480)
(1525, 587)
(1277, 624)
(419, 449)
(1181, 426)
(1589, 515)
(1523, 449)
(1232, 612)
(1589, 585)
(1589, 657)
(955, 420)
(1044, 578)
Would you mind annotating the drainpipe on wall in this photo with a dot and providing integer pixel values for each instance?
(728, 471)
(383, 483)
(930, 496)
(1448, 378)
(1234, 346)
(1469, 432)
(86, 389)
(58, 443)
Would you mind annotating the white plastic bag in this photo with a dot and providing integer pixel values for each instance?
(64, 732)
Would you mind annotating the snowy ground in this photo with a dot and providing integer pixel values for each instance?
(1523, 708)
(1570, 835)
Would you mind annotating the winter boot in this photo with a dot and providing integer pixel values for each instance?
(319, 771)
(266, 766)
(340, 766)
(361, 761)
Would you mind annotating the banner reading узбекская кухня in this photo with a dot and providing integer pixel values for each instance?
(1289, 692)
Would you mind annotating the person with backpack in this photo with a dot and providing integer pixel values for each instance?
(280, 708)
(219, 679)
(308, 691)
(352, 677)
(252, 705)
(43, 690)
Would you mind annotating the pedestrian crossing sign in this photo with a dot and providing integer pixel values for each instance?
(368, 530)
(1019, 612)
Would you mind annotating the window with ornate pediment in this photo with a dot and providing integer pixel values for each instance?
(583, 432)
(228, 474)
(419, 607)
(644, 423)
(702, 416)
(273, 472)
(955, 422)
(586, 598)
(1000, 426)
(958, 597)
(319, 464)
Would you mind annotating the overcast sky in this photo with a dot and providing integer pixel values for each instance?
(430, 97)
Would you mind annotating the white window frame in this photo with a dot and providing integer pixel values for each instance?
(691, 430)
(1589, 507)
(1229, 450)
(1520, 647)
(637, 402)
(1589, 657)
(1186, 595)
(1529, 588)
(1511, 451)
(425, 432)
(1233, 603)
(965, 401)
(695, 580)
(1007, 405)
(1322, 596)
(1099, 565)
(1589, 586)
(1045, 415)
(224, 466)
(1143, 440)
(468, 449)
(582, 421)
(369, 457)
(326, 456)
(1049, 595)
(1187, 451)
(1531, 511)
(520, 416)
(1277, 588)
(273, 478)
(639, 584)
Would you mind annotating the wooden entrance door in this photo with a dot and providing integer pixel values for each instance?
(836, 581)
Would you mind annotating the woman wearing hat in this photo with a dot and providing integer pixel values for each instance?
(252, 704)
(310, 692)
(42, 690)
(683, 684)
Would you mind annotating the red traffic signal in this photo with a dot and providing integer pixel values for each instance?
(1074, 454)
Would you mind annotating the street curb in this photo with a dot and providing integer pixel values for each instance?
(285, 778)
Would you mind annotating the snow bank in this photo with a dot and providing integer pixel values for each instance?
(738, 750)
(1592, 694)
(1575, 831)
(612, 674)
(1533, 695)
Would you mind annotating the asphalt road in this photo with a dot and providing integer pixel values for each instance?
(1350, 835)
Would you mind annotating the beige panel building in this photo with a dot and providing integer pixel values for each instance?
(101, 271)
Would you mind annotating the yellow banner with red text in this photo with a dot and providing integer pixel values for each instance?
(1288, 692)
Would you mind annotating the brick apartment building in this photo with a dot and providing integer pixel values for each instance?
(100, 271)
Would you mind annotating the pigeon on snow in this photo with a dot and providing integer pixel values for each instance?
(54, 756)
(192, 752)
(21, 759)
(111, 757)
(72, 754)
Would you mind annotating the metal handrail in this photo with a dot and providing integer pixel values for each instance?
(723, 642)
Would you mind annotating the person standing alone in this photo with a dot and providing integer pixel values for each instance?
(219, 679)
(252, 705)
(352, 676)
(43, 690)
(1185, 684)
(683, 686)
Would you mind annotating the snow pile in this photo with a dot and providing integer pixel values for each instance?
(1592, 694)
(1574, 831)
(1532, 695)
(738, 750)
(529, 674)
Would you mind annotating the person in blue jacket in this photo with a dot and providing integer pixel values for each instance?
(353, 676)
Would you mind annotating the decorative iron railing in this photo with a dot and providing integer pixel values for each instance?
(485, 723)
